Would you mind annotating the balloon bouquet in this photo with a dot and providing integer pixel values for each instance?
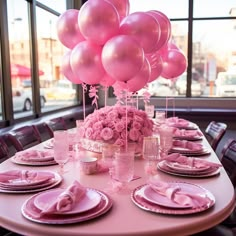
(108, 46)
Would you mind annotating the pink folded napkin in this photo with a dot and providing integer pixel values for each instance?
(190, 161)
(35, 155)
(187, 145)
(177, 195)
(24, 175)
(175, 121)
(186, 133)
(66, 200)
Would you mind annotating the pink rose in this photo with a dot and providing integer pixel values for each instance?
(120, 126)
(88, 132)
(137, 125)
(107, 134)
(134, 135)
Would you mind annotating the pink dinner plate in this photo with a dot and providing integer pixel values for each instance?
(35, 188)
(19, 161)
(32, 213)
(17, 181)
(138, 197)
(91, 200)
(185, 167)
(188, 152)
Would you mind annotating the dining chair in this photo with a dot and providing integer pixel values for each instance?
(56, 124)
(214, 133)
(4, 151)
(24, 137)
(228, 160)
(44, 130)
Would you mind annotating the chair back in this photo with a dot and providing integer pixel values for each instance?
(4, 152)
(44, 131)
(56, 124)
(24, 137)
(228, 159)
(215, 132)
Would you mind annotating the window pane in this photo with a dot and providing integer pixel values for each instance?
(214, 51)
(58, 91)
(170, 9)
(18, 25)
(57, 5)
(214, 8)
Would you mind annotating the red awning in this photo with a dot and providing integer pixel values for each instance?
(22, 71)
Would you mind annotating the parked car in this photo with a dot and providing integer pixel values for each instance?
(22, 99)
(226, 84)
(61, 90)
(197, 86)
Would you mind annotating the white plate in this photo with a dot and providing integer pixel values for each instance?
(91, 200)
(137, 197)
(48, 144)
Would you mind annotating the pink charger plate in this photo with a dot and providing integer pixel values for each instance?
(32, 213)
(89, 201)
(139, 198)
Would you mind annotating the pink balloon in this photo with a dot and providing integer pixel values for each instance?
(166, 47)
(143, 27)
(122, 7)
(141, 79)
(156, 65)
(174, 64)
(165, 27)
(122, 57)
(86, 62)
(107, 80)
(68, 31)
(98, 21)
(66, 69)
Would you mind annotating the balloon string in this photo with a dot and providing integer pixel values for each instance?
(126, 117)
(137, 101)
(105, 91)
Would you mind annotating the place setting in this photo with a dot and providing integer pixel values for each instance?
(181, 123)
(48, 144)
(26, 181)
(190, 135)
(177, 164)
(189, 148)
(175, 198)
(34, 157)
(74, 204)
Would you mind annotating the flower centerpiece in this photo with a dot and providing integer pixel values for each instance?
(115, 125)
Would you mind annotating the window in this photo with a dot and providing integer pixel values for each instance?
(29, 55)
(208, 33)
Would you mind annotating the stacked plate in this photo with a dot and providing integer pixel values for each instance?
(48, 144)
(190, 135)
(92, 205)
(148, 199)
(22, 181)
(188, 170)
(189, 150)
(34, 158)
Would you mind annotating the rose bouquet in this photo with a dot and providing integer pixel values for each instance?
(117, 125)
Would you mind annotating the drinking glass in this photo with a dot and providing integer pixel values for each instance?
(151, 153)
(160, 117)
(108, 154)
(149, 109)
(123, 165)
(166, 139)
(61, 148)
